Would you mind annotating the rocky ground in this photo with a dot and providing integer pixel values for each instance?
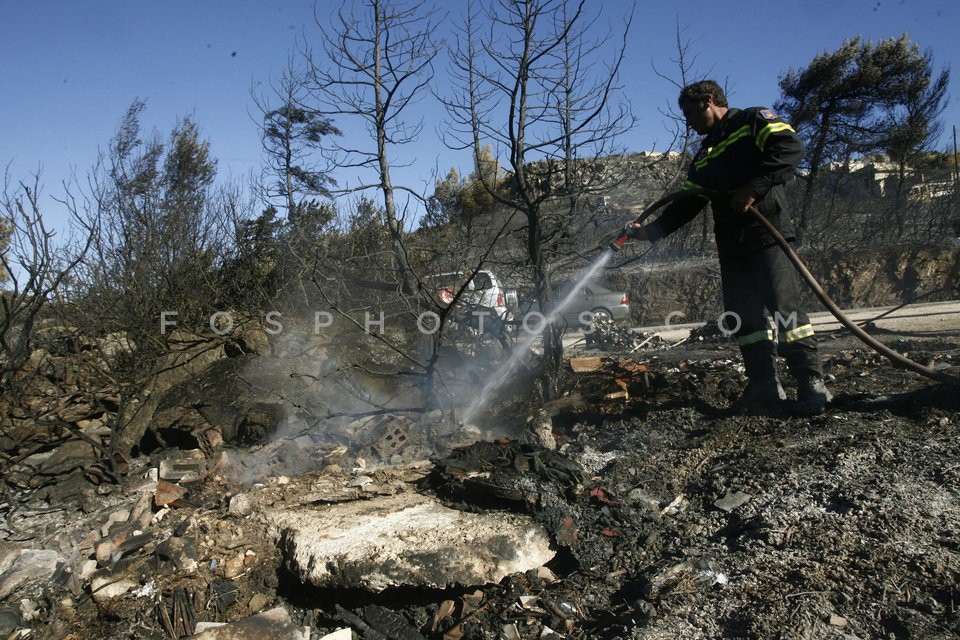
(665, 516)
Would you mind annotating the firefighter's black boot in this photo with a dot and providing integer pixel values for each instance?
(764, 393)
(812, 394)
(804, 363)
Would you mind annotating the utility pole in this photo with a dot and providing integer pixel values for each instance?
(956, 167)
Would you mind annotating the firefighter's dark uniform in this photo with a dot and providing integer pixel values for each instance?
(752, 147)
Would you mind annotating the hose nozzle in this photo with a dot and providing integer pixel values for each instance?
(619, 241)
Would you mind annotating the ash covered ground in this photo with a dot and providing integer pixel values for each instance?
(671, 517)
(694, 523)
(843, 525)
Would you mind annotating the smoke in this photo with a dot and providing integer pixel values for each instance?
(344, 398)
(506, 373)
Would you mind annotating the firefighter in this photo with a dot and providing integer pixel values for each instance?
(745, 159)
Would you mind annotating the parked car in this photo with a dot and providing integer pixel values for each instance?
(484, 290)
(590, 303)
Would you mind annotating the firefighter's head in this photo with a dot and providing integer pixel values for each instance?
(703, 105)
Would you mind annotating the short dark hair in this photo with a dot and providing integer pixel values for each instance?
(698, 91)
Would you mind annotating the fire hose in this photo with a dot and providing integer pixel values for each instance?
(896, 358)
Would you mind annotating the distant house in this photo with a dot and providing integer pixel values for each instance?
(925, 191)
(658, 154)
(875, 175)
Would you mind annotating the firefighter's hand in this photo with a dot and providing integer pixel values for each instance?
(636, 231)
(743, 198)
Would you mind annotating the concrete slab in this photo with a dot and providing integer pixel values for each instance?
(405, 539)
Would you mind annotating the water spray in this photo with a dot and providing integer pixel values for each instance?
(503, 373)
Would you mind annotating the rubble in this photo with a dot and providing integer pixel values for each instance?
(26, 566)
(653, 513)
(732, 500)
(274, 624)
(582, 364)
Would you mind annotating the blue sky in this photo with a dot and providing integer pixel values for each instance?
(72, 67)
